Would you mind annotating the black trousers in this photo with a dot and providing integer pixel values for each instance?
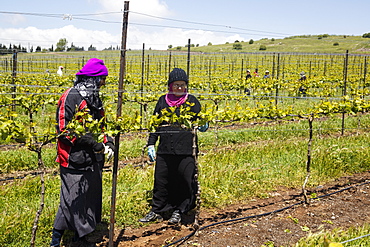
(80, 205)
(175, 187)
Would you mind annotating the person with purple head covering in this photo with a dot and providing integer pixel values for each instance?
(81, 158)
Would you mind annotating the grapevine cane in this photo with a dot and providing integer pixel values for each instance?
(41, 166)
(196, 176)
(42, 192)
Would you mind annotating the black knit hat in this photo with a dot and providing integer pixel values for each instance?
(178, 75)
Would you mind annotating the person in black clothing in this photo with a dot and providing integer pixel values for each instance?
(81, 158)
(302, 89)
(247, 77)
(302, 76)
(175, 186)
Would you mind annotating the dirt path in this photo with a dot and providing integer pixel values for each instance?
(350, 207)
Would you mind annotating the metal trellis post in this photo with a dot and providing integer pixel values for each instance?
(344, 86)
(142, 82)
(14, 76)
(188, 62)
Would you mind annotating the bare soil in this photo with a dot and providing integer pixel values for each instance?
(281, 219)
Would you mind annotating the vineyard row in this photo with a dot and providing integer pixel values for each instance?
(156, 65)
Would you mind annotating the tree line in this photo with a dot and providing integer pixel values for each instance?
(61, 45)
(9, 50)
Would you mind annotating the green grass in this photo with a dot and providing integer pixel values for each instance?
(338, 235)
(301, 44)
(236, 174)
(235, 167)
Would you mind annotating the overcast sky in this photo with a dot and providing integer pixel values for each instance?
(159, 23)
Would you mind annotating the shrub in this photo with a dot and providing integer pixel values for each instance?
(237, 46)
(336, 44)
(366, 35)
(263, 48)
(251, 41)
(321, 36)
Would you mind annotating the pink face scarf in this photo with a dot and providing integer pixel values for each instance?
(173, 100)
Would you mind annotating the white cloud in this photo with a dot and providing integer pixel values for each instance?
(152, 34)
(156, 39)
(149, 7)
(45, 38)
(175, 37)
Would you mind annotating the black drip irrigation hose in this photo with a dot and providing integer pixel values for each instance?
(183, 239)
(21, 177)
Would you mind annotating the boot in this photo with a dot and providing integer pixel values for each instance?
(56, 237)
(175, 218)
(151, 216)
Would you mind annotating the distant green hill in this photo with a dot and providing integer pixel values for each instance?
(303, 44)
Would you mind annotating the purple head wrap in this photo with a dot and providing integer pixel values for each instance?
(94, 67)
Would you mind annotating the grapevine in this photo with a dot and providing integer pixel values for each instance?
(28, 101)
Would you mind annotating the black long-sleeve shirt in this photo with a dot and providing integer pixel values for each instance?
(173, 140)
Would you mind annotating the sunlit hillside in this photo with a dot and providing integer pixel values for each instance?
(302, 44)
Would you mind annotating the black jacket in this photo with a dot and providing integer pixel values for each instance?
(69, 154)
(174, 140)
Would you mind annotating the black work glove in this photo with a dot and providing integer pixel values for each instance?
(88, 140)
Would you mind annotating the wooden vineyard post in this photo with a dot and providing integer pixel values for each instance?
(365, 71)
(196, 178)
(169, 63)
(277, 82)
(308, 162)
(148, 66)
(241, 70)
(119, 113)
